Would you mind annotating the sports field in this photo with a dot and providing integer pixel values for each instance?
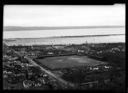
(68, 61)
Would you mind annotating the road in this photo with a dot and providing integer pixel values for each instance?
(49, 73)
(63, 82)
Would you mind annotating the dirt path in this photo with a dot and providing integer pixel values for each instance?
(65, 83)
(50, 73)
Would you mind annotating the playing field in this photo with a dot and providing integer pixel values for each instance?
(68, 61)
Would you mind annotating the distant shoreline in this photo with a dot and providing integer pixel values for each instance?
(21, 28)
(68, 36)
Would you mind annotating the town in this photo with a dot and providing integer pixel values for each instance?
(24, 66)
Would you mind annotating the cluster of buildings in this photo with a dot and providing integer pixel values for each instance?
(88, 76)
(40, 81)
(15, 71)
(69, 50)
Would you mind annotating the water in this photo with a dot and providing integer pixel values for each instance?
(30, 35)
(62, 32)
(74, 40)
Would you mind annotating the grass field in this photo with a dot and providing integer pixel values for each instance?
(68, 61)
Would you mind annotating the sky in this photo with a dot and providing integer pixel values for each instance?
(63, 15)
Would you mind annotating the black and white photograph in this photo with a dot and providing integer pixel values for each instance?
(64, 47)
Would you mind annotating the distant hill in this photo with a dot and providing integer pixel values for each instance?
(20, 28)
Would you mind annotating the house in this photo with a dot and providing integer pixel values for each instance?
(27, 83)
(50, 53)
(107, 67)
(95, 68)
(82, 51)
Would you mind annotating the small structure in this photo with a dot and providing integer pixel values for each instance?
(106, 67)
(106, 81)
(50, 53)
(80, 51)
(95, 68)
(90, 84)
(27, 83)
